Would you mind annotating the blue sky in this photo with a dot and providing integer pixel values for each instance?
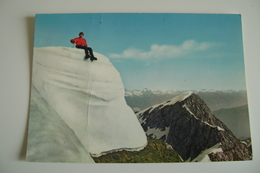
(163, 51)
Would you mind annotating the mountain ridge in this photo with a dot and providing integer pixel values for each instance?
(237, 119)
(190, 128)
(216, 99)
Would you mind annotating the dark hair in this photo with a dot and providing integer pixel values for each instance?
(81, 33)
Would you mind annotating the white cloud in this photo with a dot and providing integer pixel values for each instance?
(169, 51)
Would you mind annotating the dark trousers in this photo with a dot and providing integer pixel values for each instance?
(88, 50)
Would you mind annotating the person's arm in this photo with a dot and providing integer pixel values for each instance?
(73, 40)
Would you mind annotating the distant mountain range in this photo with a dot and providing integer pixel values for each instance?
(215, 99)
(188, 125)
(230, 106)
(237, 119)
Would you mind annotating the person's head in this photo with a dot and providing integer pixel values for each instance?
(81, 34)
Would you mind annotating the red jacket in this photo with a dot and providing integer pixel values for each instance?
(79, 41)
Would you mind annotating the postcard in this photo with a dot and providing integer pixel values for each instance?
(138, 88)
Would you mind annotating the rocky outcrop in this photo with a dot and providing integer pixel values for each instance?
(187, 124)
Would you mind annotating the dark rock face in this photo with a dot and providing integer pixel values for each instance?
(189, 127)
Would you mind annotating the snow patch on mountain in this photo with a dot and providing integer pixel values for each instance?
(157, 133)
(203, 157)
(178, 98)
(186, 107)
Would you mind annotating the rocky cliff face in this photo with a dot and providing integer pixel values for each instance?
(187, 124)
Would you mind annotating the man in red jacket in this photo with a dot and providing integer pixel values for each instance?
(81, 43)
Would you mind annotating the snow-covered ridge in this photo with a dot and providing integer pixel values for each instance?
(195, 133)
(174, 100)
(213, 126)
(178, 98)
(88, 97)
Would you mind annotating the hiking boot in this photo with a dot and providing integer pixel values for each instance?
(93, 58)
(86, 57)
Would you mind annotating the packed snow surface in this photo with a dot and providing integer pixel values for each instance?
(87, 97)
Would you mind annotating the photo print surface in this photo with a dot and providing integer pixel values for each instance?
(138, 88)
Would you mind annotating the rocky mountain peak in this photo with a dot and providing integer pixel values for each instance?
(196, 106)
(188, 125)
